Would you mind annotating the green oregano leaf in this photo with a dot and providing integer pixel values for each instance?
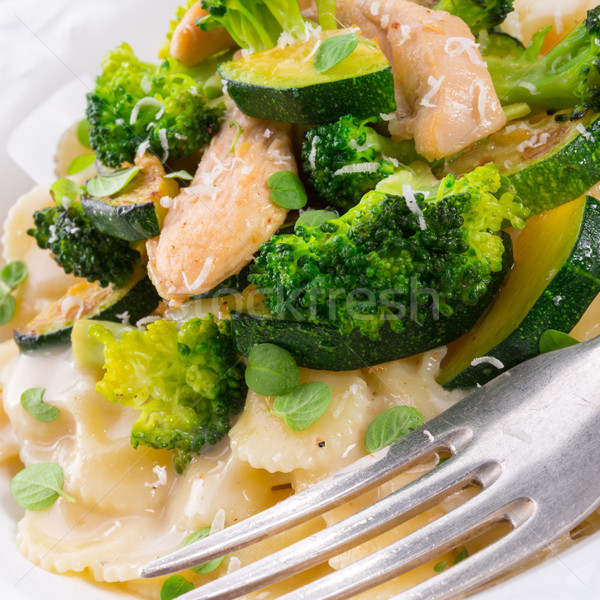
(391, 425)
(552, 340)
(314, 218)
(271, 370)
(175, 586)
(32, 401)
(109, 185)
(462, 554)
(14, 273)
(80, 163)
(64, 191)
(441, 566)
(183, 175)
(83, 132)
(303, 405)
(334, 50)
(7, 309)
(38, 486)
(287, 190)
(211, 565)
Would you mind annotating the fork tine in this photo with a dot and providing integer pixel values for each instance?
(484, 566)
(349, 483)
(443, 534)
(367, 523)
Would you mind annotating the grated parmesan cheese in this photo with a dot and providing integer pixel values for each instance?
(218, 522)
(385, 21)
(584, 132)
(375, 8)
(535, 141)
(492, 360)
(429, 436)
(411, 203)
(123, 317)
(147, 320)
(434, 88)
(234, 564)
(143, 147)
(530, 87)
(267, 133)
(313, 152)
(406, 31)
(164, 143)
(204, 273)
(456, 46)
(148, 101)
(359, 168)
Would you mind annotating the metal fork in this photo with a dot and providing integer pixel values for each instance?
(528, 439)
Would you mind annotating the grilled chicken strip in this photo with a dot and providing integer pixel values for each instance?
(214, 226)
(444, 94)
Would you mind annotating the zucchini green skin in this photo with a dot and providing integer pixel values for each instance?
(561, 176)
(362, 96)
(139, 302)
(130, 222)
(560, 306)
(321, 346)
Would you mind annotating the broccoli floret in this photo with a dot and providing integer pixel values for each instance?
(81, 249)
(365, 267)
(478, 14)
(258, 24)
(136, 103)
(346, 159)
(186, 382)
(566, 77)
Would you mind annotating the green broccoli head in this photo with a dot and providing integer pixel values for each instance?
(365, 267)
(186, 382)
(81, 249)
(137, 103)
(568, 76)
(478, 14)
(346, 159)
(258, 24)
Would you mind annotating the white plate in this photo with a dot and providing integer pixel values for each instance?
(48, 51)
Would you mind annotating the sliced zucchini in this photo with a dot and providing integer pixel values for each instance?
(281, 84)
(548, 161)
(555, 278)
(135, 213)
(87, 300)
(321, 346)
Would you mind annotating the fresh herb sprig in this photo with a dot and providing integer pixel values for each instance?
(32, 401)
(11, 276)
(38, 486)
(272, 371)
(287, 190)
(391, 425)
(175, 586)
(211, 565)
